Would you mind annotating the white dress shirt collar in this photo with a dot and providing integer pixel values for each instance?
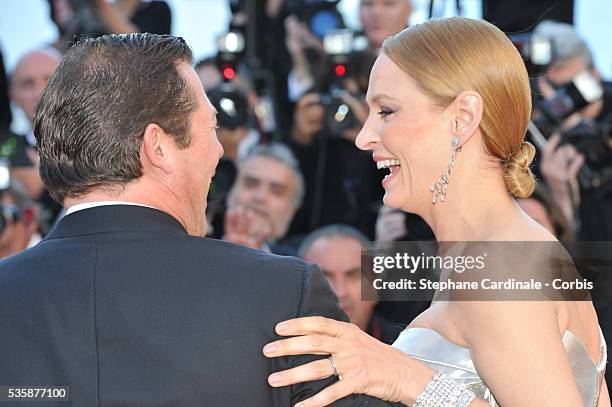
(87, 205)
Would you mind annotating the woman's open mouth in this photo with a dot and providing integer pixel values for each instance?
(393, 165)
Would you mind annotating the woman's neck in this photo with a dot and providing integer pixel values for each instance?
(477, 218)
(478, 205)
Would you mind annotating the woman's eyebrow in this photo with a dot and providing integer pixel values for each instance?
(378, 96)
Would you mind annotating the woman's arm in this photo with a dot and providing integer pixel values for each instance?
(364, 364)
(604, 395)
(517, 350)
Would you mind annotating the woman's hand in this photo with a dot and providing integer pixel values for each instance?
(364, 365)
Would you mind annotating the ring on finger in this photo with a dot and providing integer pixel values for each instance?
(333, 364)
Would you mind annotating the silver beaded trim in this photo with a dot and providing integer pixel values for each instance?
(443, 391)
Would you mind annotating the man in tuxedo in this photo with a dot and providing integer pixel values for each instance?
(124, 302)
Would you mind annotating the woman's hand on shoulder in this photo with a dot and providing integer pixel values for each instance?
(364, 365)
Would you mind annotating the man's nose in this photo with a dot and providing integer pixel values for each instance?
(260, 194)
(340, 289)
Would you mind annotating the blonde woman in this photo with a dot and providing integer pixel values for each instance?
(456, 89)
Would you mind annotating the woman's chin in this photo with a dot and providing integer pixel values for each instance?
(392, 201)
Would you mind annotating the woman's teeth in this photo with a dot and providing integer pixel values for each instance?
(386, 163)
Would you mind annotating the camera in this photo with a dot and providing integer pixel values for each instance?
(231, 104)
(231, 46)
(536, 50)
(573, 96)
(338, 116)
(10, 213)
(591, 139)
(347, 59)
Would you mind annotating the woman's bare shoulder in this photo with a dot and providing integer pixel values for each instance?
(522, 228)
(517, 350)
(478, 321)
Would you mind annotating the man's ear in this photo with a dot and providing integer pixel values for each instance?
(467, 115)
(156, 149)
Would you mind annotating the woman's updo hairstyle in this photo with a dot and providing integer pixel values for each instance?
(448, 56)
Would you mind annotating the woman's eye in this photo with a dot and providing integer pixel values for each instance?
(384, 113)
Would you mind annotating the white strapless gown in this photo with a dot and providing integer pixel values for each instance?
(439, 353)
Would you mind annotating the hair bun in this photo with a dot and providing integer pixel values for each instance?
(519, 179)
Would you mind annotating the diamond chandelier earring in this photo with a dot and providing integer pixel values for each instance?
(440, 187)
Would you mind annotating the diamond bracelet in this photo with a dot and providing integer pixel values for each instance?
(443, 391)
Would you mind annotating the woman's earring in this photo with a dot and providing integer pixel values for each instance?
(439, 188)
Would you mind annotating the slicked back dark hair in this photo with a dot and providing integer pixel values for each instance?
(90, 121)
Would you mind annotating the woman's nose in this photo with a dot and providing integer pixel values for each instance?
(367, 138)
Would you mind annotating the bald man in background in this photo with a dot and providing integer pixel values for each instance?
(30, 77)
(26, 84)
(337, 250)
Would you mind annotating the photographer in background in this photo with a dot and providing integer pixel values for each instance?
(234, 121)
(342, 182)
(286, 36)
(209, 73)
(75, 18)
(234, 125)
(571, 56)
(18, 220)
(379, 18)
(589, 210)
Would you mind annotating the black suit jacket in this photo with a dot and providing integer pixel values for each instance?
(123, 306)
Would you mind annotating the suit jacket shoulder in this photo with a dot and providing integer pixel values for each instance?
(125, 308)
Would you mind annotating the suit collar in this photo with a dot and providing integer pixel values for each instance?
(115, 218)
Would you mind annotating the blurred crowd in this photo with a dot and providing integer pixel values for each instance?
(289, 84)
